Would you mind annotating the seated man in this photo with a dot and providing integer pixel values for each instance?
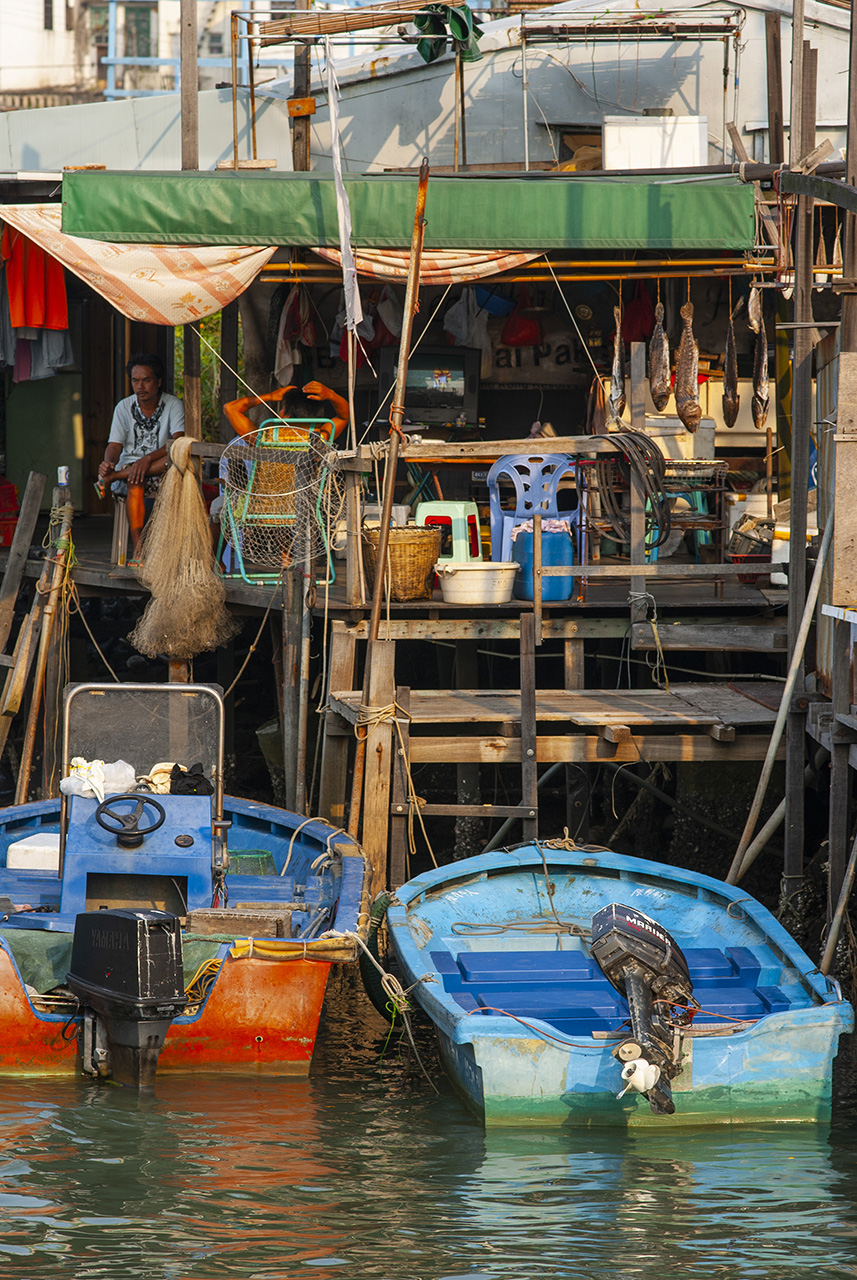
(138, 446)
(314, 401)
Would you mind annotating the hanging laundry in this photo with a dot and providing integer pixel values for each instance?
(296, 329)
(467, 323)
(34, 353)
(7, 333)
(50, 350)
(35, 282)
(464, 31)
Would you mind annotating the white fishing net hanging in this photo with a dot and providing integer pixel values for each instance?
(281, 496)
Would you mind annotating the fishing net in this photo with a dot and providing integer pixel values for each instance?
(187, 613)
(281, 497)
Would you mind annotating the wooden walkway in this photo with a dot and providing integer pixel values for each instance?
(688, 723)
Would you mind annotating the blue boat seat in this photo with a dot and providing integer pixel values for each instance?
(707, 962)
(534, 966)
(775, 1000)
(568, 990)
(573, 1012)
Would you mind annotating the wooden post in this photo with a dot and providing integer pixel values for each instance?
(839, 830)
(638, 500)
(303, 692)
(337, 737)
(529, 762)
(773, 47)
(801, 422)
(300, 124)
(399, 815)
(189, 52)
(378, 769)
(292, 623)
(796, 135)
(573, 678)
(537, 576)
(229, 352)
(21, 542)
(354, 591)
(397, 412)
(469, 837)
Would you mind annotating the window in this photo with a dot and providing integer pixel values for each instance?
(49, 14)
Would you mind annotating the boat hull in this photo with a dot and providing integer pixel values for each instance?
(258, 1014)
(515, 1080)
(261, 1016)
(495, 950)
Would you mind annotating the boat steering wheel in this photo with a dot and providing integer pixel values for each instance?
(129, 833)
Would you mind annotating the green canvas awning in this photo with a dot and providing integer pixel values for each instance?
(535, 212)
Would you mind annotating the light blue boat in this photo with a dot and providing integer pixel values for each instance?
(532, 1031)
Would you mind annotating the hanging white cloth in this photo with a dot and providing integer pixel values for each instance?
(353, 307)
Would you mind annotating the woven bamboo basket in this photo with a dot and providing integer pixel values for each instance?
(411, 556)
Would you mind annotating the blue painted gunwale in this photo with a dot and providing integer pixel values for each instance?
(255, 826)
(778, 1068)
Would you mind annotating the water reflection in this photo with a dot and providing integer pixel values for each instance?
(363, 1172)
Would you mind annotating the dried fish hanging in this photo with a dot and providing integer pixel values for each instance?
(820, 274)
(836, 261)
(617, 374)
(687, 372)
(659, 359)
(731, 398)
(760, 360)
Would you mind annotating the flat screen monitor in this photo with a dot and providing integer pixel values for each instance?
(442, 383)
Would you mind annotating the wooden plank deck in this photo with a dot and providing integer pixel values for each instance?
(692, 706)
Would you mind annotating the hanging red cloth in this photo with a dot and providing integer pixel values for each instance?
(35, 282)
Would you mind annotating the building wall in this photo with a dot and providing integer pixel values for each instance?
(395, 109)
(37, 51)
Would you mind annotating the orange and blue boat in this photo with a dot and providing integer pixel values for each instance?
(238, 909)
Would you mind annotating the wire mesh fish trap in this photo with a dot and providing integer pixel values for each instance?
(280, 497)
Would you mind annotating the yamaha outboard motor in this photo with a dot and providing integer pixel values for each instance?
(126, 971)
(648, 968)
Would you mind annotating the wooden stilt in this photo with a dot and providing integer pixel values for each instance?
(292, 620)
(576, 796)
(378, 755)
(400, 870)
(529, 764)
(839, 831)
(397, 413)
(802, 415)
(21, 543)
(337, 735)
(469, 832)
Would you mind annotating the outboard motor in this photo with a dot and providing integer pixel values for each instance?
(126, 971)
(648, 968)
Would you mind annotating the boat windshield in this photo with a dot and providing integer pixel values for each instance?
(145, 725)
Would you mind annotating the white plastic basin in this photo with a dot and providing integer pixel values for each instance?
(476, 581)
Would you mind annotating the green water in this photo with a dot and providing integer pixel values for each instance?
(365, 1172)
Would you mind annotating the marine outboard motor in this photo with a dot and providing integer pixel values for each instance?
(126, 971)
(648, 968)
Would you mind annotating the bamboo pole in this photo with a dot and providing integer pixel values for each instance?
(397, 413)
(836, 922)
(59, 570)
